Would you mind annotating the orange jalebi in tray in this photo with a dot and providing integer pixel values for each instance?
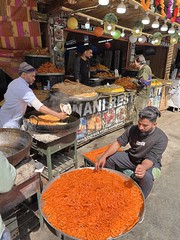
(92, 205)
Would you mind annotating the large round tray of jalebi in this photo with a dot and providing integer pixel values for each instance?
(84, 204)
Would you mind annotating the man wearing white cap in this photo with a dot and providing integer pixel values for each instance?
(18, 96)
(144, 78)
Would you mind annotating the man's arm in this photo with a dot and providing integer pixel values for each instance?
(110, 151)
(7, 174)
(77, 69)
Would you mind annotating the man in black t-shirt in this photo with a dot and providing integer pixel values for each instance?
(82, 66)
(147, 144)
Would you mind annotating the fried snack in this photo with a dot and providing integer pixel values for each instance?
(75, 89)
(126, 82)
(44, 122)
(48, 67)
(49, 118)
(109, 89)
(101, 67)
(105, 75)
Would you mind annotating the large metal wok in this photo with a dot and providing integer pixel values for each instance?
(60, 233)
(72, 121)
(15, 144)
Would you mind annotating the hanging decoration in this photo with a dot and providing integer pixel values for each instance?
(162, 8)
(116, 34)
(132, 39)
(137, 29)
(72, 23)
(110, 20)
(146, 4)
(107, 45)
(98, 31)
(156, 38)
(174, 38)
(157, 2)
(175, 13)
(178, 15)
(170, 9)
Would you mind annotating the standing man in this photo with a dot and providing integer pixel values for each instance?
(144, 77)
(82, 66)
(147, 144)
(7, 179)
(18, 96)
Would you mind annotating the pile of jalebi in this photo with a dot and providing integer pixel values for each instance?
(49, 67)
(92, 205)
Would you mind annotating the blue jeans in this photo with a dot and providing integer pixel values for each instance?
(6, 235)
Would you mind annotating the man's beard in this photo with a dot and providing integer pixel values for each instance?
(145, 134)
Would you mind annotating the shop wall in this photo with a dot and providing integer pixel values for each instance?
(17, 33)
(157, 58)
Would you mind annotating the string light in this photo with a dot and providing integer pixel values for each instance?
(121, 8)
(164, 27)
(146, 19)
(87, 24)
(155, 24)
(123, 33)
(103, 2)
(171, 30)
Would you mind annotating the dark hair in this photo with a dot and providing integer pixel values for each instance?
(151, 113)
(140, 59)
(86, 48)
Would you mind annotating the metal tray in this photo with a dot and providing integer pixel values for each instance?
(50, 129)
(60, 233)
(50, 74)
(32, 55)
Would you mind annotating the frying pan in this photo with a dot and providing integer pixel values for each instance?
(60, 233)
(15, 144)
(71, 122)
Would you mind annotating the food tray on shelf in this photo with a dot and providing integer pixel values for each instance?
(49, 74)
(32, 55)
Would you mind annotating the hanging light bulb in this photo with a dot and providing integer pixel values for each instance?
(164, 27)
(142, 39)
(103, 2)
(109, 27)
(155, 24)
(171, 30)
(121, 8)
(87, 24)
(123, 33)
(146, 19)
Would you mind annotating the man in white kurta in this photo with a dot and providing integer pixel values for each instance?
(18, 96)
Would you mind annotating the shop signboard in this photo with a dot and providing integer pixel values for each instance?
(103, 115)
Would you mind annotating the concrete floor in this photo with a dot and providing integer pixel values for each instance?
(162, 218)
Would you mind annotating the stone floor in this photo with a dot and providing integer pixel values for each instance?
(162, 218)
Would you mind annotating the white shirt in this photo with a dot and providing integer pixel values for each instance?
(17, 97)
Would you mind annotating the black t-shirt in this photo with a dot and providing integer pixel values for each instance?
(149, 147)
(82, 70)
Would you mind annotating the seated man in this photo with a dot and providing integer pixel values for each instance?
(147, 144)
(7, 179)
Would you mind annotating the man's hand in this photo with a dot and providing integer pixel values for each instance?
(100, 163)
(140, 171)
(61, 115)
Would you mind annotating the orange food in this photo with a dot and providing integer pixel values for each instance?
(49, 118)
(92, 205)
(48, 67)
(95, 155)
